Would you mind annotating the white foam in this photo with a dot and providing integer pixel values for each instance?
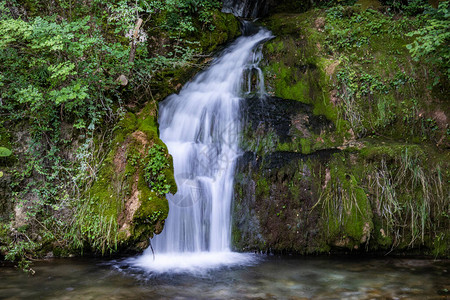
(192, 262)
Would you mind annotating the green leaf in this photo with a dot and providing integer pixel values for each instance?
(5, 152)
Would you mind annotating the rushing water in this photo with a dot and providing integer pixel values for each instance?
(272, 278)
(200, 127)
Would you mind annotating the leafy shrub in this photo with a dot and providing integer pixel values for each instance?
(157, 162)
(409, 7)
(432, 40)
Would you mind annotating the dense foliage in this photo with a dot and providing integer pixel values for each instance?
(355, 38)
(432, 40)
(154, 175)
(69, 71)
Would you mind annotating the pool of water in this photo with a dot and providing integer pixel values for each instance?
(267, 277)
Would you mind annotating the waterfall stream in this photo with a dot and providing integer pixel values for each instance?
(201, 127)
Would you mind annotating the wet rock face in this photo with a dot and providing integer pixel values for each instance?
(261, 8)
(274, 203)
(287, 118)
(272, 124)
(247, 8)
(274, 190)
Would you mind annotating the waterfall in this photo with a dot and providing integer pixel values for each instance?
(201, 127)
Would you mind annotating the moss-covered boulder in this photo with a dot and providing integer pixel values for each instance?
(127, 205)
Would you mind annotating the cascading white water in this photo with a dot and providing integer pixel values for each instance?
(253, 76)
(200, 127)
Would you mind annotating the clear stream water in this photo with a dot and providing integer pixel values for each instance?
(270, 278)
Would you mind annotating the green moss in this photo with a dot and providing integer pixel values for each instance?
(103, 197)
(115, 183)
(401, 184)
(170, 178)
(440, 245)
(236, 237)
(391, 150)
(5, 137)
(346, 210)
(284, 147)
(273, 47)
(226, 29)
(380, 235)
(262, 187)
(314, 142)
(323, 106)
(147, 123)
(294, 70)
(305, 146)
(151, 204)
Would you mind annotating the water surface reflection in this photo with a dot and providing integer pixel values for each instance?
(271, 278)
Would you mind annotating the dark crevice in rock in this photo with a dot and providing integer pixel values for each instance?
(279, 159)
(261, 8)
(279, 114)
(247, 8)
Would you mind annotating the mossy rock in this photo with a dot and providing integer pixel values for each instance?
(351, 64)
(121, 193)
(293, 68)
(383, 197)
(226, 29)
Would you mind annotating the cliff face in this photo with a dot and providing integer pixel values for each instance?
(351, 151)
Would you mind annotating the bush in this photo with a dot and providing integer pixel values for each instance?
(432, 40)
